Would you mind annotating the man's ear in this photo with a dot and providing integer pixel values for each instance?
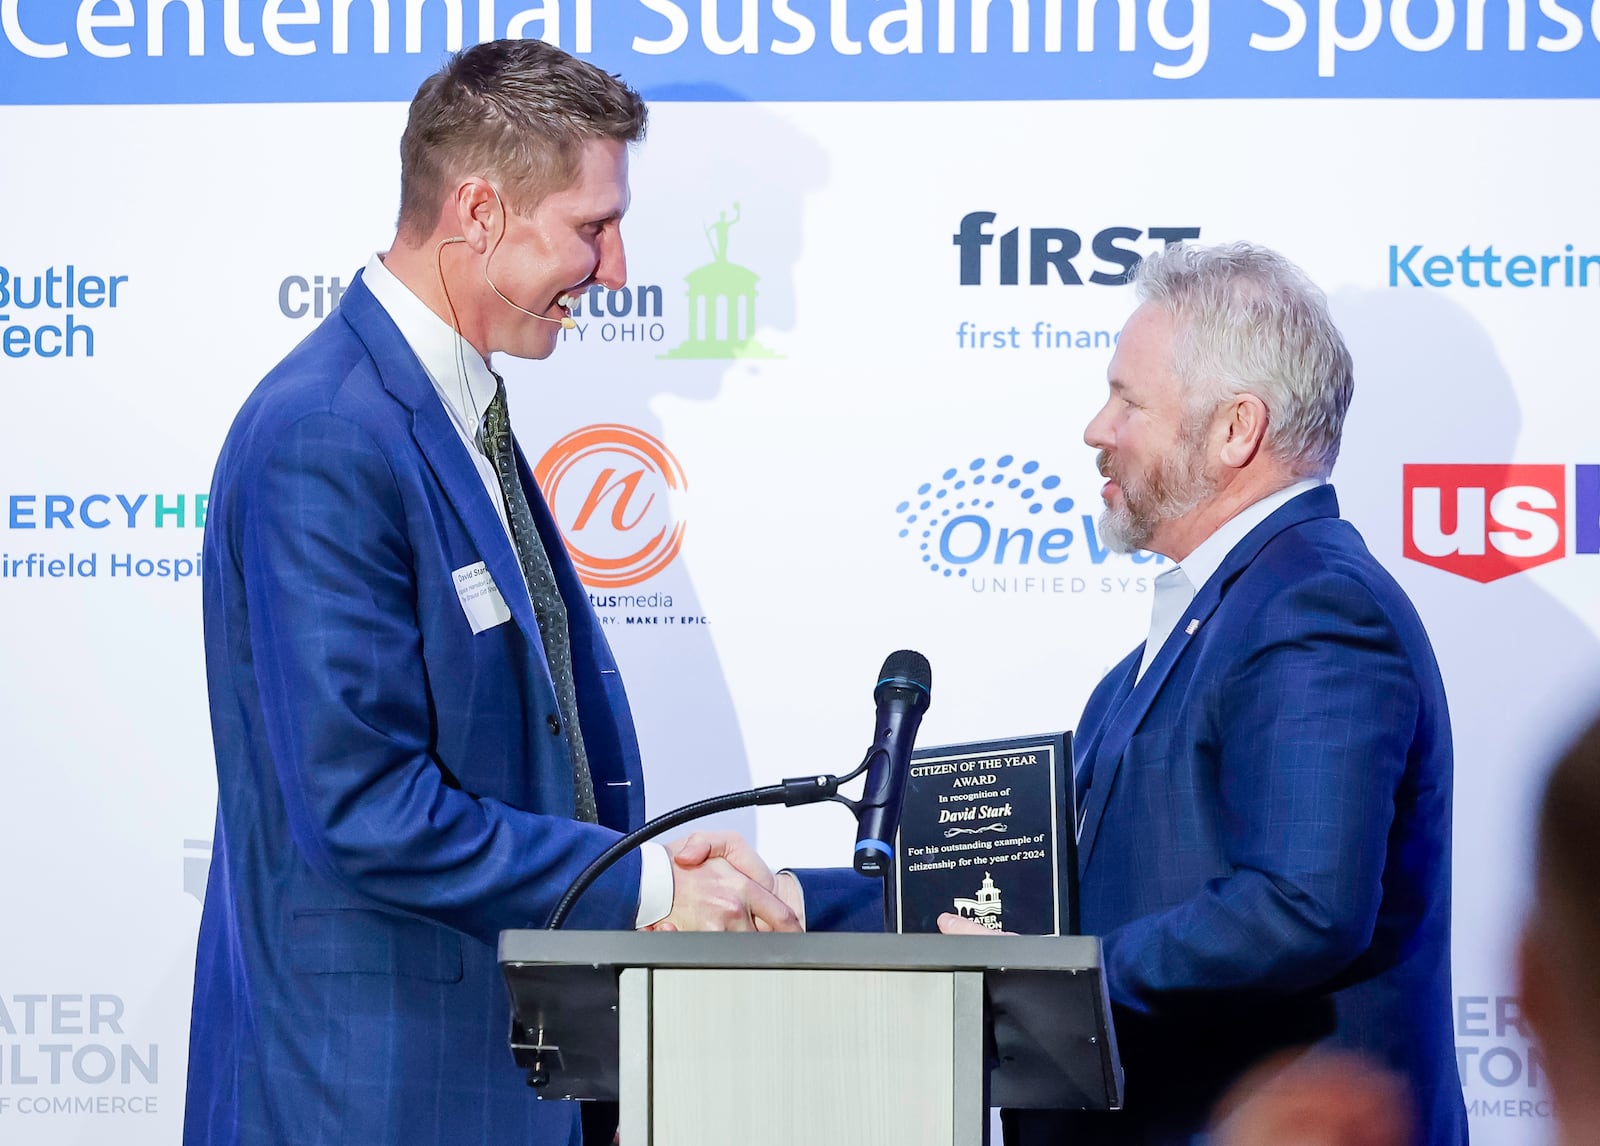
(476, 213)
(1243, 431)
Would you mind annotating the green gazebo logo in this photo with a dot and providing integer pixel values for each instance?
(722, 303)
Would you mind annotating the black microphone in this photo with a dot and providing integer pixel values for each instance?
(902, 695)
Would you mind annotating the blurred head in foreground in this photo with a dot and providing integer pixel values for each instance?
(1314, 1099)
(1560, 978)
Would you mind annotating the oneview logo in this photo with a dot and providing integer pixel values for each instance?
(60, 294)
(992, 519)
(610, 489)
(1485, 522)
(1111, 260)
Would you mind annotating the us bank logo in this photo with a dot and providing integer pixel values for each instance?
(1004, 525)
(722, 301)
(1485, 522)
(611, 489)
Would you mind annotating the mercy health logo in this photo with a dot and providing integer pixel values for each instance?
(1485, 522)
(72, 1053)
(1005, 526)
(42, 313)
(105, 510)
(610, 488)
(1053, 255)
(49, 536)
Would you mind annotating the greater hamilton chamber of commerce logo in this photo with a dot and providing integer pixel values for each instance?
(610, 488)
(984, 907)
(1485, 522)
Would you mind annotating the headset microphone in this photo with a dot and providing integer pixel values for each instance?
(566, 322)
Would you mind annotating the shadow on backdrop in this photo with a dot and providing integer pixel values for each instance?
(717, 211)
(1430, 388)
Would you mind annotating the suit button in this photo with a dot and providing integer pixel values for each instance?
(555, 724)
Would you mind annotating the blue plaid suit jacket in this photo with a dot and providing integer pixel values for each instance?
(391, 790)
(1266, 837)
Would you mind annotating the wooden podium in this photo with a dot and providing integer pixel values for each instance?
(811, 1040)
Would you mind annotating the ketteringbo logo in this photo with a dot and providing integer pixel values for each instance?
(611, 489)
(1485, 522)
(1004, 526)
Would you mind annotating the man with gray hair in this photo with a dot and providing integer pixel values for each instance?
(1265, 783)
(420, 732)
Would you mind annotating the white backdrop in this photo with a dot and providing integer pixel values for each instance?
(751, 655)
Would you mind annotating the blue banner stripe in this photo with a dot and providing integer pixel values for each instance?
(224, 51)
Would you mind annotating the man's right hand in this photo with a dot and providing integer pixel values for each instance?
(716, 896)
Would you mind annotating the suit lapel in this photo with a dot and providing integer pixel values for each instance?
(1122, 722)
(403, 377)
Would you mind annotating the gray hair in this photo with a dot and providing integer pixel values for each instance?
(516, 111)
(1251, 322)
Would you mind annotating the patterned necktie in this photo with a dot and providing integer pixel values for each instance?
(548, 606)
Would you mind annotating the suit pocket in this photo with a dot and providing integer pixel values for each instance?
(352, 941)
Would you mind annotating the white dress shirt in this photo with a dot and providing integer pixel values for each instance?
(466, 386)
(1201, 565)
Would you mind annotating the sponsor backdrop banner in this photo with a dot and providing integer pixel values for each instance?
(876, 258)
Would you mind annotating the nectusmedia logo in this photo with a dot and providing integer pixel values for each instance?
(610, 488)
(1485, 522)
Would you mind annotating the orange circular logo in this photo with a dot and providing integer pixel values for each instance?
(610, 489)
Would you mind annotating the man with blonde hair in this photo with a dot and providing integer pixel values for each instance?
(421, 735)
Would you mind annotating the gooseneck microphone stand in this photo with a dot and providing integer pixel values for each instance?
(791, 792)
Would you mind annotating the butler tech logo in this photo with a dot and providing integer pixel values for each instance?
(1485, 522)
(1002, 526)
(47, 314)
(610, 488)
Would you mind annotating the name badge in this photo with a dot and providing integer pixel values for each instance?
(480, 597)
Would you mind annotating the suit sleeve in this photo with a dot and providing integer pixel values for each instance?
(1311, 736)
(330, 589)
(840, 899)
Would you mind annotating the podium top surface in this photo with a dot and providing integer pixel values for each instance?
(821, 951)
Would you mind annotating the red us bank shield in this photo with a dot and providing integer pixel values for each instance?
(1485, 522)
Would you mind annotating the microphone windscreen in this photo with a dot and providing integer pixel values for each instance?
(906, 666)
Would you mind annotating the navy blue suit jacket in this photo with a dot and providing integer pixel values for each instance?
(1266, 838)
(393, 790)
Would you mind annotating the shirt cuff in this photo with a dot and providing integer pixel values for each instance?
(799, 904)
(655, 885)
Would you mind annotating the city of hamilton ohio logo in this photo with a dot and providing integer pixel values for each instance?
(983, 908)
(610, 488)
(722, 302)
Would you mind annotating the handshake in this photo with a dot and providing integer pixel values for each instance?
(720, 883)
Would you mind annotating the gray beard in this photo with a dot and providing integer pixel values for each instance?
(1177, 488)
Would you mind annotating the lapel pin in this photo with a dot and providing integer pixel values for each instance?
(1194, 625)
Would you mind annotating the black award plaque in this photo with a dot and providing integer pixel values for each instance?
(987, 833)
